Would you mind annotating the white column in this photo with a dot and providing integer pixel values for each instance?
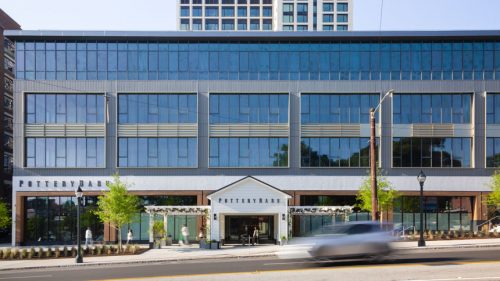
(14, 208)
(165, 223)
(151, 234)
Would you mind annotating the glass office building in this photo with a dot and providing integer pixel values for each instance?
(184, 115)
(264, 15)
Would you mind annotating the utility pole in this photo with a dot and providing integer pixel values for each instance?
(373, 164)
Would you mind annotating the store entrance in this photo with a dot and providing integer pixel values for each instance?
(239, 228)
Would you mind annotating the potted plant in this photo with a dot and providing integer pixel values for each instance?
(168, 240)
(214, 244)
(158, 233)
(283, 240)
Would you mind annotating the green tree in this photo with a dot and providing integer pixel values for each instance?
(4, 215)
(117, 207)
(493, 198)
(385, 192)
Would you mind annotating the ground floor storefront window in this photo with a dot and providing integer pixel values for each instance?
(140, 224)
(52, 220)
(310, 224)
(441, 213)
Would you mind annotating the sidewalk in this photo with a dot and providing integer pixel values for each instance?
(193, 252)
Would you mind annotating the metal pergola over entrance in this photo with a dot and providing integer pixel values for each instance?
(175, 211)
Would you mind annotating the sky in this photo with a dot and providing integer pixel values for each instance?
(160, 15)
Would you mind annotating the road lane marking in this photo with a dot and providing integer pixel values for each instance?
(461, 278)
(25, 277)
(292, 270)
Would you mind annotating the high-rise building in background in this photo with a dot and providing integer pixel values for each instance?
(264, 15)
(7, 60)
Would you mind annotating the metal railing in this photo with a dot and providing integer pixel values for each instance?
(487, 222)
(402, 233)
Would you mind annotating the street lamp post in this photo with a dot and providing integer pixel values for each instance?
(79, 195)
(373, 157)
(421, 179)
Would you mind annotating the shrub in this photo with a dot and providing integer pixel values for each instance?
(40, 253)
(109, 250)
(135, 249)
(98, 250)
(23, 254)
(73, 252)
(31, 253)
(128, 248)
(65, 251)
(13, 253)
(6, 253)
(57, 252)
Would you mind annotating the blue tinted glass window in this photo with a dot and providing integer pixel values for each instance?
(432, 108)
(248, 108)
(139, 61)
(248, 152)
(492, 108)
(157, 108)
(64, 108)
(335, 108)
(64, 152)
(432, 152)
(335, 152)
(157, 152)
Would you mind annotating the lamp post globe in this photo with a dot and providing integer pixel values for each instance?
(421, 180)
(79, 195)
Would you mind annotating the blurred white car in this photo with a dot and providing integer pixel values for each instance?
(352, 240)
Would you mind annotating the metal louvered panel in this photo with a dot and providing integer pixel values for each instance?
(157, 130)
(433, 130)
(331, 130)
(34, 130)
(64, 130)
(249, 130)
(95, 130)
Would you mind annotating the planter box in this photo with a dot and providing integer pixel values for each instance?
(214, 245)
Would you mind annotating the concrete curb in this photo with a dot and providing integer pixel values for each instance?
(226, 256)
(138, 262)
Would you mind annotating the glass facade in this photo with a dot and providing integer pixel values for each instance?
(432, 108)
(140, 224)
(157, 108)
(248, 152)
(335, 152)
(492, 152)
(52, 220)
(247, 60)
(441, 213)
(157, 152)
(248, 108)
(492, 108)
(65, 153)
(64, 108)
(337, 108)
(431, 152)
(311, 224)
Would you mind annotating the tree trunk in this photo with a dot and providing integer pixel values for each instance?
(119, 239)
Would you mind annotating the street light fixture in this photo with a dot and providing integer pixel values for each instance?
(373, 157)
(79, 195)
(421, 179)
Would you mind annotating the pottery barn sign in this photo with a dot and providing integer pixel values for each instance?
(63, 183)
(249, 200)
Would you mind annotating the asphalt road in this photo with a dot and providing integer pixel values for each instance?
(207, 267)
